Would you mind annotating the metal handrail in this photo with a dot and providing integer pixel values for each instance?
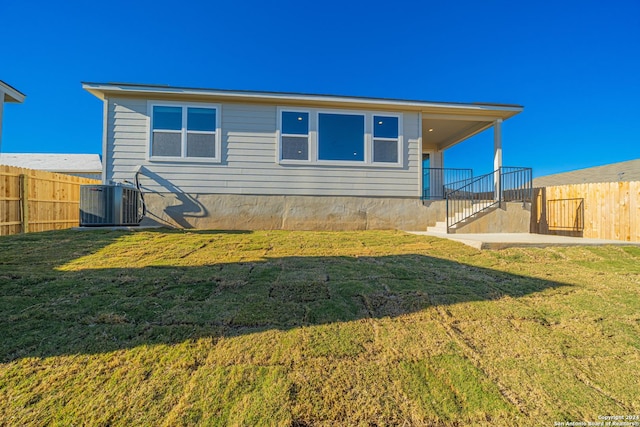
(439, 180)
(506, 184)
(516, 184)
(470, 199)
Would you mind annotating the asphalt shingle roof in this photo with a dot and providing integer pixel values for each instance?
(614, 172)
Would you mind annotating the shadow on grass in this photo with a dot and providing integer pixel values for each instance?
(46, 312)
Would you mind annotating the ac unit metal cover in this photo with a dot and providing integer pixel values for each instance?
(109, 205)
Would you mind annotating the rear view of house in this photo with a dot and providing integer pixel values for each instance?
(209, 158)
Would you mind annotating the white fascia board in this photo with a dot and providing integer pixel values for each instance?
(100, 90)
(11, 94)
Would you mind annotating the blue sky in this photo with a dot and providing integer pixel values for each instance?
(574, 65)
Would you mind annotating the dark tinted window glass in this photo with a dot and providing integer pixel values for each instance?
(340, 137)
(385, 127)
(295, 123)
(202, 119)
(167, 118)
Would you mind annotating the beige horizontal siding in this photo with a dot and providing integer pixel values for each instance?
(250, 138)
(133, 149)
(262, 179)
(249, 159)
(266, 122)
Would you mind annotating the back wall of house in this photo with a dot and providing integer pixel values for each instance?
(249, 166)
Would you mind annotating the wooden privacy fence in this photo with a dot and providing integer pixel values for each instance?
(606, 210)
(32, 200)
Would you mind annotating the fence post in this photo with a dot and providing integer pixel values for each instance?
(24, 202)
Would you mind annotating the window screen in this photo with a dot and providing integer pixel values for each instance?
(166, 144)
(295, 148)
(385, 151)
(201, 145)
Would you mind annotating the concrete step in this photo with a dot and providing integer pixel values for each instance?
(468, 213)
(440, 227)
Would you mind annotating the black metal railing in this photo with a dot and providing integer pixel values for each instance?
(566, 214)
(473, 196)
(516, 184)
(436, 181)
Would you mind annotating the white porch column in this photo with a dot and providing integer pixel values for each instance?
(436, 161)
(1, 111)
(497, 156)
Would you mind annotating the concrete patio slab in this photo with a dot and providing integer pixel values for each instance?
(521, 240)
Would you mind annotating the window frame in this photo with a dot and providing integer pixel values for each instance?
(280, 134)
(375, 138)
(184, 132)
(314, 140)
(365, 141)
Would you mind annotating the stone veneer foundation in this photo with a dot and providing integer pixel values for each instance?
(251, 212)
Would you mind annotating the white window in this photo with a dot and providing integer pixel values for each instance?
(185, 132)
(386, 132)
(294, 135)
(340, 137)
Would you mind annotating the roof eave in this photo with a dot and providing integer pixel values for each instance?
(11, 94)
(101, 90)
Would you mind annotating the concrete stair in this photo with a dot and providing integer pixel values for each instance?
(469, 213)
(440, 227)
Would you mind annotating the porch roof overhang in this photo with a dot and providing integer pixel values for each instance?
(444, 131)
(444, 124)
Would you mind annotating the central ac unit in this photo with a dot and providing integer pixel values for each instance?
(104, 205)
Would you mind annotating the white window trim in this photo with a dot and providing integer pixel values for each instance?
(314, 115)
(279, 136)
(184, 132)
(365, 143)
(398, 140)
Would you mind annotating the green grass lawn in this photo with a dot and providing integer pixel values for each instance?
(170, 328)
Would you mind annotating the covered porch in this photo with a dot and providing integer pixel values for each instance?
(468, 196)
(443, 130)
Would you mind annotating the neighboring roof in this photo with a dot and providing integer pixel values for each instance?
(11, 94)
(614, 172)
(102, 90)
(63, 163)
